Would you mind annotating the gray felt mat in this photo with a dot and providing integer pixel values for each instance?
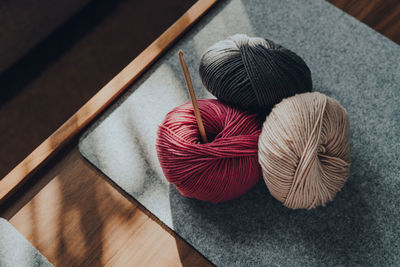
(349, 62)
(15, 250)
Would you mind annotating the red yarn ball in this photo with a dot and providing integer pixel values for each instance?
(220, 170)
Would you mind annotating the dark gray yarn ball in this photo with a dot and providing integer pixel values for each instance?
(252, 72)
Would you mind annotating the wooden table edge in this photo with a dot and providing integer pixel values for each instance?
(10, 183)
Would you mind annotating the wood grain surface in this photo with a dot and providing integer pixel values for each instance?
(80, 219)
(76, 217)
(381, 15)
(22, 172)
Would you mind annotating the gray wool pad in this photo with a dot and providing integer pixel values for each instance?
(349, 62)
(15, 250)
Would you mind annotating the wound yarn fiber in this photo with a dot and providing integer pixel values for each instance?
(252, 72)
(304, 150)
(220, 170)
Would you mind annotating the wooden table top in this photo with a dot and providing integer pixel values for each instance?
(71, 212)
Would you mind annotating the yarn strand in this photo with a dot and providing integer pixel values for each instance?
(304, 150)
(220, 170)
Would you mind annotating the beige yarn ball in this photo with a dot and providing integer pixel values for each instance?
(304, 150)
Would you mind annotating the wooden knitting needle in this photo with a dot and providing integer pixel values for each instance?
(193, 97)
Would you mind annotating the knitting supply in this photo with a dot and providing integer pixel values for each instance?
(304, 150)
(220, 170)
(252, 72)
(192, 97)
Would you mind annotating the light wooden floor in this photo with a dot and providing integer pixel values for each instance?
(75, 217)
(79, 219)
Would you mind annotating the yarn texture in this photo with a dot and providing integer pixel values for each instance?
(304, 150)
(220, 170)
(252, 72)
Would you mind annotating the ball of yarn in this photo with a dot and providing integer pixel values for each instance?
(222, 169)
(304, 150)
(252, 72)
